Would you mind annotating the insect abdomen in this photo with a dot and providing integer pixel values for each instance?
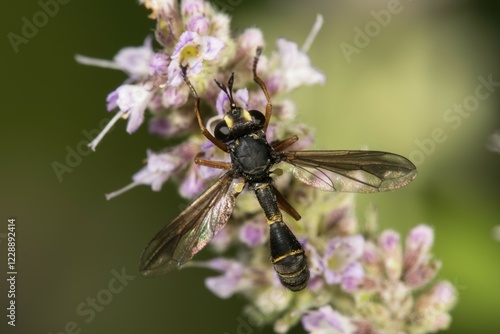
(288, 257)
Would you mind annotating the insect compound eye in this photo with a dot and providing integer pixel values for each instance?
(257, 117)
(221, 131)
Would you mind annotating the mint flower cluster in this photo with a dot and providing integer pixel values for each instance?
(361, 281)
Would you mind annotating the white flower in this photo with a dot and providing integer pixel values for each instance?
(132, 100)
(292, 67)
(159, 168)
(133, 60)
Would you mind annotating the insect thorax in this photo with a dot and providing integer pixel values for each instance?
(252, 156)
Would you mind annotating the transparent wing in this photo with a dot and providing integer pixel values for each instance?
(351, 171)
(192, 230)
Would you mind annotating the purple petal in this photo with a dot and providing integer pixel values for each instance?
(130, 96)
(389, 241)
(222, 100)
(185, 38)
(421, 237)
(207, 173)
(257, 99)
(111, 100)
(133, 99)
(331, 246)
(154, 179)
(174, 73)
(164, 162)
(212, 47)
(192, 7)
(241, 97)
(315, 283)
(418, 243)
(174, 123)
(195, 64)
(221, 264)
(175, 97)
(198, 24)
(298, 70)
(275, 83)
(332, 277)
(326, 320)
(352, 276)
(253, 233)
(339, 254)
(312, 320)
(159, 168)
(222, 286)
(350, 248)
(135, 119)
(226, 285)
(160, 126)
(390, 245)
(249, 40)
(192, 185)
(445, 294)
(354, 246)
(135, 60)
(158, 65)
(206, 145)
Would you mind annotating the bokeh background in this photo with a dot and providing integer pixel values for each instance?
(389, 96)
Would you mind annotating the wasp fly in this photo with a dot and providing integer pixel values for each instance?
(242, 134)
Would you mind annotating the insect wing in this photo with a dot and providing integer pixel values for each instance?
(192, 230)
(351, 171)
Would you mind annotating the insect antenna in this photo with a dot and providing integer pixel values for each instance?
(186, 80)
(228, 90)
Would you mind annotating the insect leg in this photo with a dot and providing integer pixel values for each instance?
(285, 143)
(284, 205)
(204, 130)
(210, 163)
(262, 85)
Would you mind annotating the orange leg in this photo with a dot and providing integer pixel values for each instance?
(284, 205)
(204, 130)
(285, 143)
(211, 163)
(262, 85)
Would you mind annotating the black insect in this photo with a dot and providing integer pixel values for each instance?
(242, 134)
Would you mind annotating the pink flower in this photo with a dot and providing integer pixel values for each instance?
(341, 261)
(326, 320)
(191, 50)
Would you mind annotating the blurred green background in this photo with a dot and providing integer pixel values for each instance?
(392, 94)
